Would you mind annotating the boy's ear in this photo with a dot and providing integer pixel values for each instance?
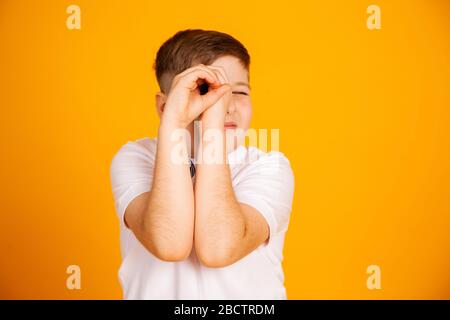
(160, 102)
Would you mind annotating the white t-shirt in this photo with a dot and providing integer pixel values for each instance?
(262, 180)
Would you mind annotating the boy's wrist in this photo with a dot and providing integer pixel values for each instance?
(171, 121)
(213, 122)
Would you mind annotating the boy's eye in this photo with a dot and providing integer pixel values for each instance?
(240, 92)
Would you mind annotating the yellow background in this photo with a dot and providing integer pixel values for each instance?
(363, 117)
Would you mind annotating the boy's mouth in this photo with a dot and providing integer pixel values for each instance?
(230, 125)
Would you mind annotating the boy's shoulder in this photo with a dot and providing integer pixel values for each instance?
(253, 154)
(249, 159)
(143, 148)
(145, 144)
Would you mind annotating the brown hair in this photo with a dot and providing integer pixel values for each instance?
(194, 46)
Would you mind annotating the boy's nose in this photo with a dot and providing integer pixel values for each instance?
(231, 107)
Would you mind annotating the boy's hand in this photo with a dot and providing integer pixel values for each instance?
(215, 115)
(184, 102)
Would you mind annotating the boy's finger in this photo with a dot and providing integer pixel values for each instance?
(212, 97)
(220, 72)
(189, 79)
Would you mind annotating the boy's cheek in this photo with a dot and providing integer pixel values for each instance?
(246, 116)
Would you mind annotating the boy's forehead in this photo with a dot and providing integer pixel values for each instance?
(237, 74)
(234, 70)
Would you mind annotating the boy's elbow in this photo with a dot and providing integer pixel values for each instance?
(166, 247)
(173, 256)
(210, 262)
(169, 251)
(214, 258)
(172, 253)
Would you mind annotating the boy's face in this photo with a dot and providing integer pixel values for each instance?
(239, 111)
(240, 107)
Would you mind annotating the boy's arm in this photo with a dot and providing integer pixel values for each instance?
(225, 230)
(163, 219)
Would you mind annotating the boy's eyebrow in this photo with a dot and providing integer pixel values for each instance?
(241, 83)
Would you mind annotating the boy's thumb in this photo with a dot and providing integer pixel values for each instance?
(214, 95)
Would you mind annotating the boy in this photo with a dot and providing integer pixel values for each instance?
(201, 229)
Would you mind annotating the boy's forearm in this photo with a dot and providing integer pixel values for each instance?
(169, 216)
(219, 222)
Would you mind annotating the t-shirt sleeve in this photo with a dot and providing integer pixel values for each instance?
(267, 185)
(131, 174)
